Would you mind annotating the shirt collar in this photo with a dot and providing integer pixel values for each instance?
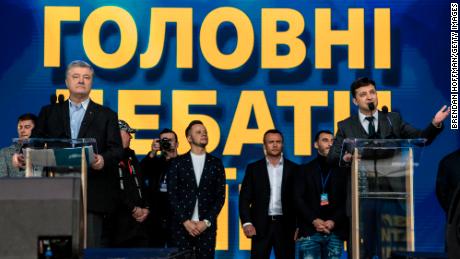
(362, 117)
(84, 104)
(281, 162)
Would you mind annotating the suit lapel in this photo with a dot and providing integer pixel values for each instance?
(65, 117)
(189, 164)
(207, 165)
(284, 178)
(263, 176)
(358, 129)
(87, 119)
(384, 128)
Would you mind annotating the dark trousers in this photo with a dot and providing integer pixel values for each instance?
(97, 235)
(278, 237)
(203, 245)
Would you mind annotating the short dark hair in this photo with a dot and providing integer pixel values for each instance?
(190, 125)
(78, 63)
(274, 131)
(360, 82)
(321, 132)
(27, 116)
(168, 130)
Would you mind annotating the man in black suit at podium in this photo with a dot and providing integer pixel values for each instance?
(80, 117)
(371, 123)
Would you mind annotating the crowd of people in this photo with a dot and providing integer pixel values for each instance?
(172, 200)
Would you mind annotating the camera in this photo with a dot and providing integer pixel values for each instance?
(165, 144)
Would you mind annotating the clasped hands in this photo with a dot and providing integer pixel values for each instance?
(323, 226)
(195, 228)
(140, 214)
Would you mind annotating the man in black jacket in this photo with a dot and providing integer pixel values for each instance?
(320, 198)
(371, 123)
(266, 201)
(155, 168)
(79, 117)
(196, 188)
(448, 179)
(133, 207)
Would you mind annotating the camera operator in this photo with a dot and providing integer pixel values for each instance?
(155, 167)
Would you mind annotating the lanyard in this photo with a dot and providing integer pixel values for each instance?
(324, 181)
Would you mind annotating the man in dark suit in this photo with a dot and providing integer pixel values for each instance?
(448, 179)
(266, 201)
(447, 187)
(79, 117)
(196, 188)
(320, 198)
(371, 123)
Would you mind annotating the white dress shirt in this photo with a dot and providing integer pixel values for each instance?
(275, 175)
(365, 123)
(76, 114)
(198, 166)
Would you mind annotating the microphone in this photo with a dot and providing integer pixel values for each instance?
(61, 98)
(385, 112)
(371, 106)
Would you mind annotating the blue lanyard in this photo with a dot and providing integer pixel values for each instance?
(324, 181)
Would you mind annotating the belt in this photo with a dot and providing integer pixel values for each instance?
(276, 217)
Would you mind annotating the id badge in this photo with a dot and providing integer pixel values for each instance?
(163, 187)
(324, 199)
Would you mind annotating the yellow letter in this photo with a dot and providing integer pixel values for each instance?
(54, 15)
(128, 37)
(271, 38)
(353, 37)
(127, 102)
(245, 38)
(239, 133)
(184, 42)
(382, 38)
(181, 117)
(302, 101)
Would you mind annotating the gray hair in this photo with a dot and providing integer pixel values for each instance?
(78, 63)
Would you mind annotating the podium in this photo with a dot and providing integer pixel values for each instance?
(382, 195)
(45, 212)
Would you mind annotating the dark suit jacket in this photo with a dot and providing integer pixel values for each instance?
(391, 126)
(255, 196)
(448, 179)
(183, 189)
(307, 199)
(100, 123)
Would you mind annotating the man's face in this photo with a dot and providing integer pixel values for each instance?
(365, 95)
(172, 139)
(125, 138)
(25, 128)
(79, 81)
(324, 143)
(273, 144)
(198, 135)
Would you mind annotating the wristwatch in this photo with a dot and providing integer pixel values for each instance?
(207, 223)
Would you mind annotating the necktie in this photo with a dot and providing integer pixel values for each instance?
(371, 128)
